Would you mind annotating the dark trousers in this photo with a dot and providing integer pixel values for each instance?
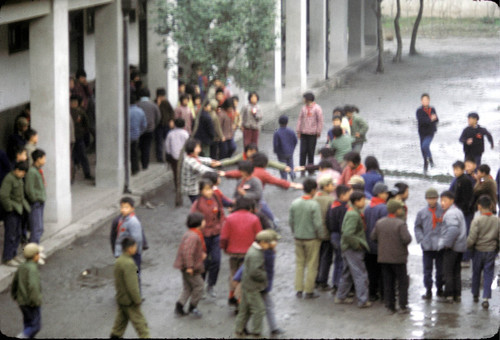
(160, 135)
(212, 262)
(374, 275)
(468, 220)
(145, 145)
(134, 157)
(32, 320)
(483, 262)
(338, 262)
(452, 273)
(214, 150)
(433, 259)
(307, 147)
(227, 148)
(36, 221)
(325, 261)
(391, 273)
(288, 160)
(25, 226)
(250, 136)
(173, 164)
(12, 236)
(193, 198)
(80, 156)
(425, 146)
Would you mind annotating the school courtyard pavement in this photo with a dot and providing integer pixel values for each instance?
(461, 75)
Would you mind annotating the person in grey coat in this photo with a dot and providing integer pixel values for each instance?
(453, 243)
(428, 225)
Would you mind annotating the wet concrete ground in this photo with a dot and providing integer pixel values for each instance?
(458, 79)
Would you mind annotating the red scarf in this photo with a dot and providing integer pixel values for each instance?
(307, 197)
(309, 109)
(376, 201)
(202, 239)
(119, 229)
(245, 157)
(427, 110)
(391, 215)
(336, 204)
(435, 219)
(487, 214)
(350, 122)
(43, 177)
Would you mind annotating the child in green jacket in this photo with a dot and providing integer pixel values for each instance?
(34, 188)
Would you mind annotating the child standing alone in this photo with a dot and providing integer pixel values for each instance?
(251, 116)
(473, 138)
(284, 143)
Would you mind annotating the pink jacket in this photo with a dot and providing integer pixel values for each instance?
(239, 231)
(310, 120)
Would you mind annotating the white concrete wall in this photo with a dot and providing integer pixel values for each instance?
(89, 52)
(443, 8)
(133, 43)
(14, 74)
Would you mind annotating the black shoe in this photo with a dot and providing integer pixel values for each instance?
(89, 177)
(334, 290)
(405, 310)
(427, 295)
(277, 331)
(313, 295)
(299, 295)
(426, 167)
(431, 162)
(476, 298)
(457, 299)
(485, 304)
(323, 287)
(439, 293)
(179, 309)
(194, 312)
(373, 298)
(232, 301)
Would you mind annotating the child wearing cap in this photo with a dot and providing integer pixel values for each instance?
(373, 213)
(26, 290)
(284, 143)
(392, 237)
(484, 240)
(190, 256)
(472, 138)
(253, 281)
(427, 229)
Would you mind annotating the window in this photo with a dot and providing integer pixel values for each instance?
(19, 36)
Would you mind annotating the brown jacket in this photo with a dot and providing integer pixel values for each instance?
(190, 253)
(484, 233)
(392, 237)
(486, 187)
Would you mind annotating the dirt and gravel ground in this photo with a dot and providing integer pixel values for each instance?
(461, 75)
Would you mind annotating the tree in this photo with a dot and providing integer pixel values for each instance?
(380, 37)
(223, 37)
(397, 57)
(413, 50)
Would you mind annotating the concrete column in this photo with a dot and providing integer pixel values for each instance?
(172, 73)
(370, 23)
(295, 65)
(356, 23)
(49, 94)
(317, 39)
(157, 74)
(109, 96)
(277, 55)
(338, 34)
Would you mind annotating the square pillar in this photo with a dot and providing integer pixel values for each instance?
(157, 74)
(49, 95)
(317, 39)
(110, 119)
(295, 65)
(338, 34)
(356, 23)
(277, 55)
(370, 23)
(172, 73)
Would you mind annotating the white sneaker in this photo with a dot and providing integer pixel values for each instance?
(21, 336)
(211, 292)
(12, 263)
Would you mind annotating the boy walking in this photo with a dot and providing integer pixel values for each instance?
(128, 294)
(392, 237)
(453, 242)
(309, 126)
(34, 183)
(26, 290)
(14, 204)
(472, 138)
(190, 256)
(307, 228)
(427, 230)
(284, 143)
(354, 246)
(484, 238)
(253, 282)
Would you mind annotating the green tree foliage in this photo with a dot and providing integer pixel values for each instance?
(223, 37)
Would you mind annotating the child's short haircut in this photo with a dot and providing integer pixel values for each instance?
(144, 92)
(283, 120)
(459, 164)
(251, 146)
(204, 182)
(179, 123)
(228, 104)
(182, 97)
(326, 152)
(160, 91)
(353, 156)
(244, 203)
(470, 159)
(348, 108)
(30, 133)
(191, 145)
(18, 149)
(354, 108)
(356, 196)
(473, 115)
(38, 153)
(309, 185)
(194, 219)
(424, 95)
(485, 202)
(127, 242)
(338, 109)
(308, 96)
(324, 164)
(341, 190)
(401, 186)
(337, 117)
(22, 166)
(484, 168)
(128, 200)
(260, 160)
(206, 103)
(219, 90)
(212, 176)
(449, 194)
(337, 131)
(246, 166)
(238, 98)
(251, 94)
